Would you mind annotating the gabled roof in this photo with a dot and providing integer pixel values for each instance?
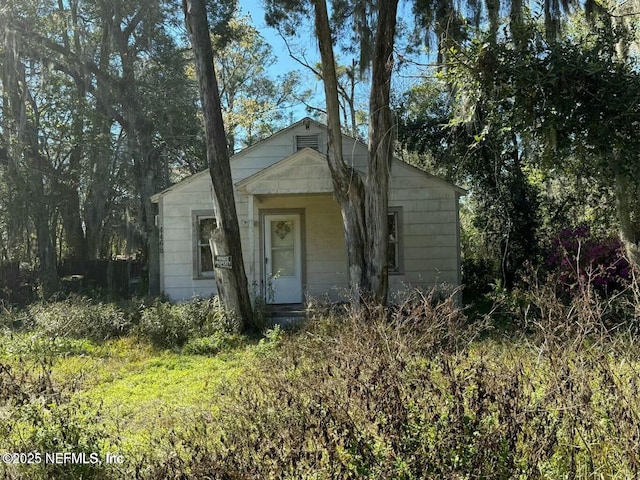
(186, 181)
(305, 171)
(155, 198)
(306, 121)
(430, 176)
(292, 158)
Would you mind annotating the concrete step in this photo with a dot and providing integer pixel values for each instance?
(287, 315)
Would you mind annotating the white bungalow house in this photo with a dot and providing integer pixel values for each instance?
(291, 226)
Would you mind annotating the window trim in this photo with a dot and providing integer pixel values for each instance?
(196, 217)
(397, 212)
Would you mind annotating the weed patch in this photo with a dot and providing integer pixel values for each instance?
(413, 393)
(410, 392)
(79, 317)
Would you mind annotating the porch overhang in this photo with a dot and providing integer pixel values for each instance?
(303, 173)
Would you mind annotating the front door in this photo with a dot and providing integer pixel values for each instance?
(283, 258)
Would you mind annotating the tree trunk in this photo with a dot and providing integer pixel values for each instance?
(47, 259)
(72, 222)
(364, 205)
(381, 140)
(628, 208)
(21, 115)
(102, 163)
(347, 184)
(146, 157)
(69, 185)
(231, 283)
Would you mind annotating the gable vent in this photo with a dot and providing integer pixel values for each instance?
(311, 141)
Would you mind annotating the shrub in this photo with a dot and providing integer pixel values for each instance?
(208, 316)
(38, 418)
(54, 428)
(10, 317)
(169, 326)
(343, 399)
(550, 315)
(577, 257)
(433, 321)
(133, 308)
(164, 325)
(478, 274)
(79, 317)
(40, 345)
(271, 341)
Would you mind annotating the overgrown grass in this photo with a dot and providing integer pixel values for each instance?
(123, 396)
(85, 376)
(417, 391)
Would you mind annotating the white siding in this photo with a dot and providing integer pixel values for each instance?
(304, 172)
(428, 229)
(324, 253)
(177, 254)
(274, 149)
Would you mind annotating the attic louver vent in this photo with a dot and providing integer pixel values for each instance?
(311, 141)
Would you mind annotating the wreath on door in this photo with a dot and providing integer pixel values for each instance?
(283, 228)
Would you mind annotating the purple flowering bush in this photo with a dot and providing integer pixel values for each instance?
(579, 258)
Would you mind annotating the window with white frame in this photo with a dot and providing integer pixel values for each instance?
(204, 223)
(395, 256)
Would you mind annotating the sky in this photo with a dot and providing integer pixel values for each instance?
(284, 62)
(307, 44)
(255, 9)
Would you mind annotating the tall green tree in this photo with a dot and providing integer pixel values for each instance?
(470, 132)
(484, 152)
(252, 101)
(113, 61)
(575, 100)
(231, 283)
(27, 164)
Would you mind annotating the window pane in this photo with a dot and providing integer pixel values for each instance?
(206, 259)
(282, 233)
(393, 236)
(394, 248)
(393, 256)
(205, 227)
(283, 262)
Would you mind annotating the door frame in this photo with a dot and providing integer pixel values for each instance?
(262, 214)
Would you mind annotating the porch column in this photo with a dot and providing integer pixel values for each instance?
(254, 283)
